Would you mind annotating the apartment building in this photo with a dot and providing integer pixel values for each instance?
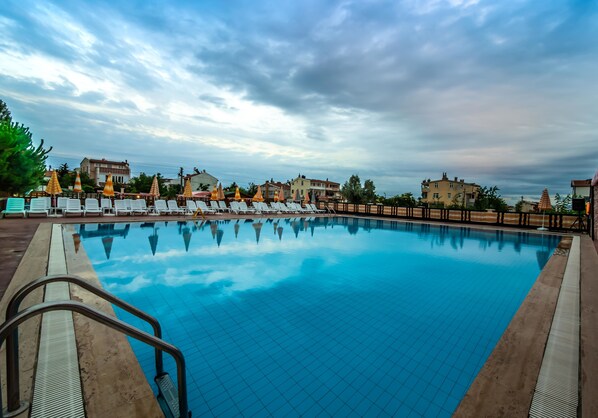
(202, 181)
(98, 170)
(321, 189)
(269, 188)
(449, 192)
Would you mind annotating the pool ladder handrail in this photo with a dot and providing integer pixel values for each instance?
(12, 343)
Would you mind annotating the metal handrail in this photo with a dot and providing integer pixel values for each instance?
(12, 340)
(112, 322)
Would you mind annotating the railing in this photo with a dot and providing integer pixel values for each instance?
(14, 318)
(553, 221)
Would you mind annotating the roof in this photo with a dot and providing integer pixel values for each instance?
(581, 183)
(105, 161)
(452, 181)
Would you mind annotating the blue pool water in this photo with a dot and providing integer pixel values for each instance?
(320, 317)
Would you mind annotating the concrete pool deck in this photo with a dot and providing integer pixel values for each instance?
(503, 387)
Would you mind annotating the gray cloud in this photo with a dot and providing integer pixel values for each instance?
(498, 93)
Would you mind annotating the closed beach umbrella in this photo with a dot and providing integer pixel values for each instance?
(306, 201)
(53, 187)
(187, 192)
(155, 189)
(214, 195)
(220, 192)
(237, 194)
(296, 196)
(258, 196)
(276, 195)
(281, 195)
(544, 205)
(77, 188)
(108, 187)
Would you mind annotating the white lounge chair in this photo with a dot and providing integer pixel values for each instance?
(73, 207)
(244, 208)
(120, 208)
(315, 208)
(203, 207)
(37, 206)
(266, 208)
(160, 207)
(173, 207)
(190, 207)
(138, 207)
(106, 205)
(256, 207)
(92, 206)
(223, 207)
(214, 205)
(60, 204)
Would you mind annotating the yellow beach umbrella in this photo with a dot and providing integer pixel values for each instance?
(220, 192)
(237, 194)
(258, 196)
(276, 195)
(53, 187)
(214, 195)
(187, 192)
(77, 188)
(155, 189)
(281, 195)
(108, 187)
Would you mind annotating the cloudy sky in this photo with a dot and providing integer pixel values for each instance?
(500, 93)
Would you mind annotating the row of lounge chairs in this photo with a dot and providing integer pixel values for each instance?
(66, 206)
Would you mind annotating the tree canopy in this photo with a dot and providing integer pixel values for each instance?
(22, 164)
(353, 192)
(489, 198)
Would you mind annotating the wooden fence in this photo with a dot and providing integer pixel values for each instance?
(552, 221)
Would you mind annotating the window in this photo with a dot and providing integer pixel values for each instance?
(436, 195)
(436, 185)
(449, 195)
(451, 185)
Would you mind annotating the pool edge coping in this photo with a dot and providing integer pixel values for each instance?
(589, 305)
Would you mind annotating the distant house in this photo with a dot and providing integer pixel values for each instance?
(528, 206)
(269, 188)
(202, 180)
(98, 170)
(449, 192)
(581, 188)
(321, 189)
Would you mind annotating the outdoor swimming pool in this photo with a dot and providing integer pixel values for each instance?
(320, 316)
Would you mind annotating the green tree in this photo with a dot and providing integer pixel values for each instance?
(562, 204)
(4, 113)
(489, 198)
(369, 192)
(251, 190)
(22, 165)
(405, 200)
(143, 184)
(352, 191)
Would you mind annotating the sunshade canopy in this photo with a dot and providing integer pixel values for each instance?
(187, 192)
(544, 201)
(109, 186)
(53, 186)
(77, 188)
